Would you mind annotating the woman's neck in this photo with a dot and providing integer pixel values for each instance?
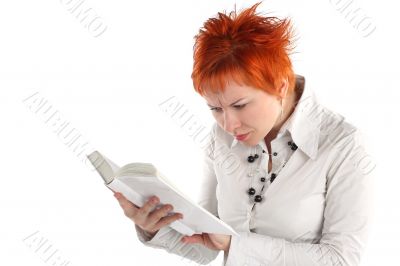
(289, 105)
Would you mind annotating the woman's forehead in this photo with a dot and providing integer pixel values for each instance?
(232, 93)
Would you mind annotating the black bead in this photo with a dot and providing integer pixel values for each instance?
(294, 147)
(273, 176)
(262, 179)
(250, 159)
(263, 151)
(251, 191)
(258, 198)
(256, 156)
(275, 153)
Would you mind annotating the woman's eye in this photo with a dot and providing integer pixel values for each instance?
(216, 109)
(239, 106)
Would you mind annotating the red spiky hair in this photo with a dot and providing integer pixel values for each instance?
(249, 48)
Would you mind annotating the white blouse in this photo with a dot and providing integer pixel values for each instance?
(316, 211)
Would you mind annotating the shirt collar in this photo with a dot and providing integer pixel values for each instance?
(303, 124)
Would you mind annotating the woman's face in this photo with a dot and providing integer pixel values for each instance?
(242, 109)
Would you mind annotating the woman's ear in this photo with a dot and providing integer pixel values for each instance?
(283, 88)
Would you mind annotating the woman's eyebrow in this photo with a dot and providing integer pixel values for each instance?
(209, 105)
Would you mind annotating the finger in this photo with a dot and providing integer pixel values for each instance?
(149, 206)
(167, 220)
(119, 196)
(159, 213)
(196, 238)
(129, 208)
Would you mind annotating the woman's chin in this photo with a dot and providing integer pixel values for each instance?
(249, 142)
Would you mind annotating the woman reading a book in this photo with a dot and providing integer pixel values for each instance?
(289, 175)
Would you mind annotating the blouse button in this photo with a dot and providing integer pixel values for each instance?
(262, 179)
(258, 198)
(275, 153)
(251, 191)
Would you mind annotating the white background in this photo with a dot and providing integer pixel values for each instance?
(109, 89)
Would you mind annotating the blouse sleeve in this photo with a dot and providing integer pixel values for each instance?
(347, 216)
(169, 239)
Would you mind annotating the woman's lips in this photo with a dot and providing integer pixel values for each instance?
(242, 137)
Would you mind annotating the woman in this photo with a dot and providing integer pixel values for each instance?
(282, 170)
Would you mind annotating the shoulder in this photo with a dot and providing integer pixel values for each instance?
(336, 131)
(218, 140)
(221, 137)
(344, 142)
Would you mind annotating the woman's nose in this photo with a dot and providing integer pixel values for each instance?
(231, 122)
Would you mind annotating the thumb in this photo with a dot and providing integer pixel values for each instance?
(196, 238)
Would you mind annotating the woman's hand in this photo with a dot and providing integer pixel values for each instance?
(212, 241)
(145, 217)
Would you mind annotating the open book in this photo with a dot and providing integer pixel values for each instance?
(139, 181)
